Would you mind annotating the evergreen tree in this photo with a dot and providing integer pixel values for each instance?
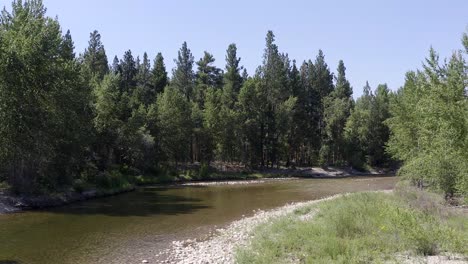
(116, 68)
(378, 130)
(207, 76)
(129, 73)
(182, 74)
(343, 87)
(159, 78)
(252, 114)
(297, 141)
(337, 108)
(174, 122)
(67, 48)
(232, 77)
(321, 85)
(144, 93)
(94, 57)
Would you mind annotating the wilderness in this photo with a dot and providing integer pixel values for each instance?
(76, 126)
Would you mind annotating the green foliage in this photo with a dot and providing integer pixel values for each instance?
(365, 132)
(65, 118)
(95, 58)
(183, 75)
(204, 171)
(112, 180)
(429, 125)
(79, 185)
(43, 102)
(174, 122)
(337, 109)
(159, 78)
(358, 228)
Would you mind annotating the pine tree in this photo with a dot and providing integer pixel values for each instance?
(174, 122)
(159, 79)
(207, 76)
(116, 68)
(129, 73)
(343, 88)
(321, 85)
(182, 74)
(144, 73)
(67, 48)
(94, 57)
(144, 92)
(337, 108)
(378, 130)
(252, 108)
(274, 84)
(232, 77)
(298, 135)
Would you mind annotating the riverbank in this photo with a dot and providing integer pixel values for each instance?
(11, 204)
(369, 227)
(221, 247)
(221, 174)
(223, 171)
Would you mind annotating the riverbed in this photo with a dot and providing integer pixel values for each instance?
(136, 226)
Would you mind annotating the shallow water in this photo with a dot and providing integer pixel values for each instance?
(134, 226)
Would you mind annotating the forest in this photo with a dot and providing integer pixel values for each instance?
(72, 120)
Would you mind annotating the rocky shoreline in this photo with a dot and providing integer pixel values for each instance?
(237, 182)
(220, 248)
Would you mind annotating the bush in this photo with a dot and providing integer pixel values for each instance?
(204, 171)
(111, 180)
(79, 185)
(89, 173)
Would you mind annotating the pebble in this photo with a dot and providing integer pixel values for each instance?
(221, 247)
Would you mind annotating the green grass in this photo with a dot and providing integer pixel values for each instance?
(358, 228)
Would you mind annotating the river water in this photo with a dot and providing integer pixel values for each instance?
(130, 227)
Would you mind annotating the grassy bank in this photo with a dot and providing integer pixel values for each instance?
(360, 228)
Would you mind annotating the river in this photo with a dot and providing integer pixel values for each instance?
(130, 227)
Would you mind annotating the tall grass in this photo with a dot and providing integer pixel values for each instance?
(358, 228)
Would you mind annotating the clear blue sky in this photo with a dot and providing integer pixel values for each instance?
(378, 40)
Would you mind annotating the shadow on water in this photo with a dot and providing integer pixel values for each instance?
(142, 202)
(9, 262)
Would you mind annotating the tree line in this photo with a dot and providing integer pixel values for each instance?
(70, 119)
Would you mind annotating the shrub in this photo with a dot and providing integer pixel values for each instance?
(79, 185)
(204, 171)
